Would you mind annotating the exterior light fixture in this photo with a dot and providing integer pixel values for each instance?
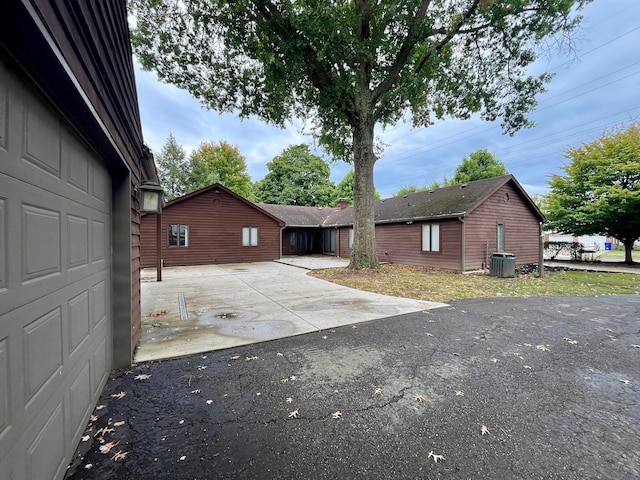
(151, 197)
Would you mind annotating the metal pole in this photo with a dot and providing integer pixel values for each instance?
(159, 246)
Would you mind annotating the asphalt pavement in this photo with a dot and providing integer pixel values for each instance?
(506, 388)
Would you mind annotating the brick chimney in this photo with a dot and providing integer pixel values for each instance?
(342, 204)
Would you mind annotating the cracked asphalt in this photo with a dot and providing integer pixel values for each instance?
(555, 381)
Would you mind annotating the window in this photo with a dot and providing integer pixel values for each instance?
(178, 235)
(249, 236)
(351, 238)
(500, 237)
(329, 243)
(430, 237)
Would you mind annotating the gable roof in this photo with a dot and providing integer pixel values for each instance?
(219, 187)
(447, 202)
(298, 215)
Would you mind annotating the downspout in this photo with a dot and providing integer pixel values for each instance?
(541, 253)
(281, 231)
(463, 247)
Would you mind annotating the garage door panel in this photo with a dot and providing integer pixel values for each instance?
(79, 326)
(78, 245)
(46, 455)
(41, 138)
(80, 401)
(40, 246)
(42, 351)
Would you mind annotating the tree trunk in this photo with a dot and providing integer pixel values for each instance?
(628, 248)
(363, 252)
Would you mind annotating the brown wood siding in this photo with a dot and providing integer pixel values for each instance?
(521, 229)
(215, 223)
(342, 242)
(136, 318)
(402, 243)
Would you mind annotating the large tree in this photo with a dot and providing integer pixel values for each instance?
(480, 164)
(172, 166)
(348, 66)
(600, 191)
(296, 177)
(219, 162)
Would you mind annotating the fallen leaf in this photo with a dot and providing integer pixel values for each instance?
(459, 393)
(93, 418)
(202, 367)
(209, 402)
(183, 457)
(626, 382)
(435, 457)
(324, 337)
(484, 429)
(378, 391)
(102, 431)
(85, 438)
(284, 380)
(119, 396)
(106, 448)
(119, 456)
(494, 360)
(181, 422)
(279, 354)
(289, 400)
(544, 348)
(633, 345)
(248, 359)
(418, 398)
(142, 376)
(99, 407)
(293, 378)
(336, 415)
(455, 354)
(235, 357)
(429, 334)
(527, 367)
(196, 391)
(118, 424)
(293, 414)
(88, 466)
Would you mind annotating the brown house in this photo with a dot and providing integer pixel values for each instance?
(71, 161)
(456, 228)
(211, 225)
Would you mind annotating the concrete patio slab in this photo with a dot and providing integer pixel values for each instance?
(238, 304)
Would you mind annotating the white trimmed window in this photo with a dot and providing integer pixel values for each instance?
(430, 237)
(500, 237)
(178, 235)
(249, 236)
(351, 238)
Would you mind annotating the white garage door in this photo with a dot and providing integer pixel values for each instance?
(55, 284)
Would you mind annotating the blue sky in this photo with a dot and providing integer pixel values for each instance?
(595, 89)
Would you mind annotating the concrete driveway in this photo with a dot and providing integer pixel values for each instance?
(238, 304)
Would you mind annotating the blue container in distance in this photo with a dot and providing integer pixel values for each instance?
(607, 245)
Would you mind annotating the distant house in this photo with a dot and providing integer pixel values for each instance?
(211, 225)
(72, 159)
(456, 228)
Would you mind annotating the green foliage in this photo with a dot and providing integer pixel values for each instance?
(297, 177)
(221, 163)
(345, 188)
(345, 67)
(477, 166)
(172, 166)
(407, 189)
(600, 191)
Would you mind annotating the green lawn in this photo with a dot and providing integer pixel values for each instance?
(440, 286)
